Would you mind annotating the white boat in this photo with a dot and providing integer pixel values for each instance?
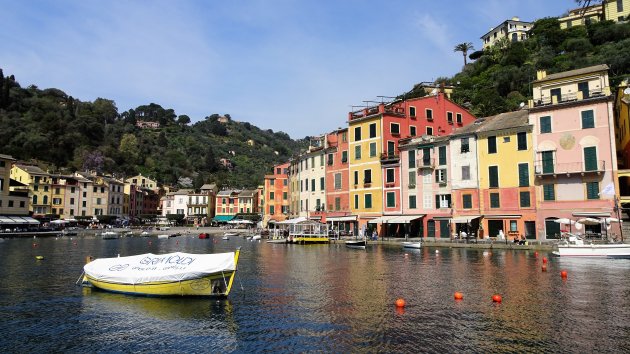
(277, 240)
(356, 243)
(163, 236)
(173, 274)
(256, 238)
(109, 235)
(230, 234)
(574, 246)
(415, 245)
(225, 237)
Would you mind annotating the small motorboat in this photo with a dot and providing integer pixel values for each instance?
(356, 244)
(277, 240)
(256, 238)
(163, 236)
(110, 235)
(172, 274)
(413, 245)
(225, 237)
(574, 246)
(204, 235)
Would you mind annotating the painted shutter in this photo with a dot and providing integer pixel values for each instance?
(590, 158)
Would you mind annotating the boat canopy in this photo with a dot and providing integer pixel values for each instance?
(149, 267)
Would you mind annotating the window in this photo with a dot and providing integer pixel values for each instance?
(272, 182)
(321, 160)
(57, 191)
(391, 199)
(442, 155)
(395, 128)
(368, 201)
(548, 192)
(429, 130)
(458, 118)
(71, 201)
(357, 152)
(356, 177)
(412, 179)
(442, 201)
(285, 182)
(412, 202)
(429, 114)
(411, 157)
(344, 156)
(492, 145)
(36, 188)
(278, 171)
(494, 200)
(465, 145)
(493, 176)
(313, 185)
(322, 183)
(592, 190)
(285, 195)
(344, 137)
(373, 130)
(521, 139)
(620, 6)
(412, 130)
(412, 111)
(513, 226)
(271, 195)
(449, 117)
(523, 175)
(426, 176)
(331, 159)
(367, 176)
(372, 149)
(337, 203)
(547, 161)
(590, 158)
(440, 176)
(467, 201)
(306, 185)
(525, 200)
(427, 201)
(356, 201)
(11, 204)
(45, 201)
(389, 175)
(337, 181)
(466, 173)
(272, 210)
(588, 119)
(357, 133)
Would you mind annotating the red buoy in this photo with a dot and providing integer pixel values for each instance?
(536, 254)
(544, 260)
(496, 298)
(400, 303)
(564, 274)
(458, 295)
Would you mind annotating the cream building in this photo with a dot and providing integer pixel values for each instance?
(514, 30)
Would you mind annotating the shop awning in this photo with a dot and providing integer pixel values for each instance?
(6, 221)
(385, 219)
(464, 219)
(292, 221)
(405, 219)
(503, 216)
(342, 218)
(30, 220)
(223, 218)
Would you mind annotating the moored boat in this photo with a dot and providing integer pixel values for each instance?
(109, 235)
(574, 246)
(356, 243)
(173, 274)
(414, 245)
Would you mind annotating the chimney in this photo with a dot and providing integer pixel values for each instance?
(541, 74)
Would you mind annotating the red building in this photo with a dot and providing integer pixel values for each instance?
(338, 212)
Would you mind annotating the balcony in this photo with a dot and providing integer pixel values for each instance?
(568, 98)
(390, 157)
(425, 164)
(543, 168)
(382, 108)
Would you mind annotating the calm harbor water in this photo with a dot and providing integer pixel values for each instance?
(325, 298)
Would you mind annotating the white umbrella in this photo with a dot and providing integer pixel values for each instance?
(610, 220)
(59, 222)
(564, 221)
(588, 221)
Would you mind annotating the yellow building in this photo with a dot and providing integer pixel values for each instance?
(581, 16)
(39, 183)
(622, 137)
(514, 30)
(506, 175)
(11, 202)
(616, 10)
(365, 146)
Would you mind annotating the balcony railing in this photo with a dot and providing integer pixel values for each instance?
(544, 168)
(390, 157)
(568, 97)
(425, 163)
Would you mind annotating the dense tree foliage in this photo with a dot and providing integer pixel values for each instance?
(500, 77)
(67, 134)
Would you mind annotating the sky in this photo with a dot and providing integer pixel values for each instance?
(297, 66)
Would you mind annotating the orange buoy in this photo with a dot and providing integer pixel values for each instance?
(458, 295)
(564, 274)
(400, 303)
(544, 268)
(544, 260)
(536, 254)
(496, 298)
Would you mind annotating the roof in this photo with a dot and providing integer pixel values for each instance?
(507, 120)
(34, 170)
(576, 72)
(6, 157)
(226, 192)
(471, 128)
(247, 193)
(209, 186)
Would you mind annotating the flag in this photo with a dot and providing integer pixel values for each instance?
(608, 190)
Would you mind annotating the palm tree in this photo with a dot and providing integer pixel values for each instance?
(464, 48)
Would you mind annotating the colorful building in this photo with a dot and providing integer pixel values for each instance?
(276, 195)
(582, 16)
(12, 202)
(39, 187)
(616, 10)
(513, 30)
(575, 159)
(622, 135)
(227, 205)
(338, 213)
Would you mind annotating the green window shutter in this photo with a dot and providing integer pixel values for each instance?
(412, 202)
(412, 178)
(545, 124)
(271, 210)
(493, 176)
(548, 192)
(368, 201)
(592, 190)
(467, 201)
(391, 199)
(372, 149)
(442, 154)
(547, 161)
(412, 158)
(494, 200)
(357, 152)
(437, 202)
(588, 119)
(356, 201)
(523, 175)
(448, 200)
(525, 203)
(590, 158)
(521, 140)
(322, 183)
(492, 145)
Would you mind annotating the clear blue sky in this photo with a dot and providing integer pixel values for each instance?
(287, 65)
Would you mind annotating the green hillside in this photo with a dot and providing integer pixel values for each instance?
(65, 134)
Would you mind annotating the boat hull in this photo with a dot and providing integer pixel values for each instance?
(413, 245)
(611, 251)
(356, 244)
(303, 240)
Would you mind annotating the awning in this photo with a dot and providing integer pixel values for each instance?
(6, 221)
(464, 219)
(503, 216)
(405, 219)
(223, 218)
(19, 220)
(383, 219)
(592, 214)
(292, 221)
(342, 218)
